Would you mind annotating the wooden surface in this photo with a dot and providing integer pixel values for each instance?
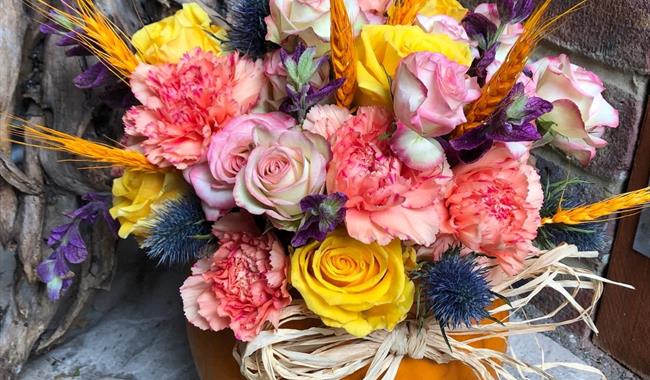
(624, 315)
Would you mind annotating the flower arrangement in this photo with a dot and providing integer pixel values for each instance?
(367, 165)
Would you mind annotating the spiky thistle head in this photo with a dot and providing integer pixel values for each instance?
(454, 290)
(247, 33)
(567, 193)
(179, 233)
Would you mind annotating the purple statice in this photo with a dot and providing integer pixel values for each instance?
(322, 214)
(301, 66)
(68, 245)
(512, 122)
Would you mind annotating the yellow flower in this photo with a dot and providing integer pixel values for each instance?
(167, 40)
(380, 48)
(451, 8)
(358, 287)
(135, 193)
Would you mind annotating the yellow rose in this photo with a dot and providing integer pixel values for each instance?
(167, 40)
(358, 287)
(135, 193)
(451, 8)
(380, 48)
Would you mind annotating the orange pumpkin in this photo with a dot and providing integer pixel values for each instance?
(212, 352)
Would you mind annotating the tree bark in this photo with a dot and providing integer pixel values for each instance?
(36, 188)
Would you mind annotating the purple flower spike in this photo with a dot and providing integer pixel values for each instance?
(95, 76)
(68, 245)
(479, 28)
(323, 213)
(513, 122)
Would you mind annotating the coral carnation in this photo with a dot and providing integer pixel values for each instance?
(386, 199)
(494, 206)
(184, 103)
(241, 286)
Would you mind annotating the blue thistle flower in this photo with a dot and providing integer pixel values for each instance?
(247, 33)
(568, 193)
(454, 290)
(179, 232)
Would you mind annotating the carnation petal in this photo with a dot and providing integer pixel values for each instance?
(420, 225)
(191, 289)
(209, 307)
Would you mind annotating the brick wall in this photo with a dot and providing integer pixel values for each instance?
(612, 39)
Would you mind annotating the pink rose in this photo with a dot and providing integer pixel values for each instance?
(374, 10)
(324, 120)
(430, 91)
(308, 19)
(386, 198)
(241, 286)
(283, 167)
(580, 115)
(183, 104)
(494, 207)
(228, 153)
(442, 24)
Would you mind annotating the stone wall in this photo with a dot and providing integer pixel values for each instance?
(612, 39)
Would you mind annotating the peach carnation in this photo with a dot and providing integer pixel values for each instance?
(325, 119)
(494, 207)
(184, 104)
(386, 198)
(241, 286)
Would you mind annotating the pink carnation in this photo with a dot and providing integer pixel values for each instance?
(184, 104)
(241, 286)
(386, 198)
(213, 181)
(494, 207)
(324, 120)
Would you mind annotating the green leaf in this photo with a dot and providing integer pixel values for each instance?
(292, 71)
(306, 67)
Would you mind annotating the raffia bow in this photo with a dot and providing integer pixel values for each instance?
(327, 354)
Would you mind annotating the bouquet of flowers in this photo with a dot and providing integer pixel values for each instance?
(361, 167)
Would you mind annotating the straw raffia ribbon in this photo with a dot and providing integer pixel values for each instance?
(327, 354)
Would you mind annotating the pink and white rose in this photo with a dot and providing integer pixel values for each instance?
(494, 206)
(430, 91)
(443, 24)
(241, 286)
(283, 167)
(214, 180)
(374, 10)
(308, 19)
(580, 115)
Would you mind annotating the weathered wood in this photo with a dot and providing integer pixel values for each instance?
(36, 83)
